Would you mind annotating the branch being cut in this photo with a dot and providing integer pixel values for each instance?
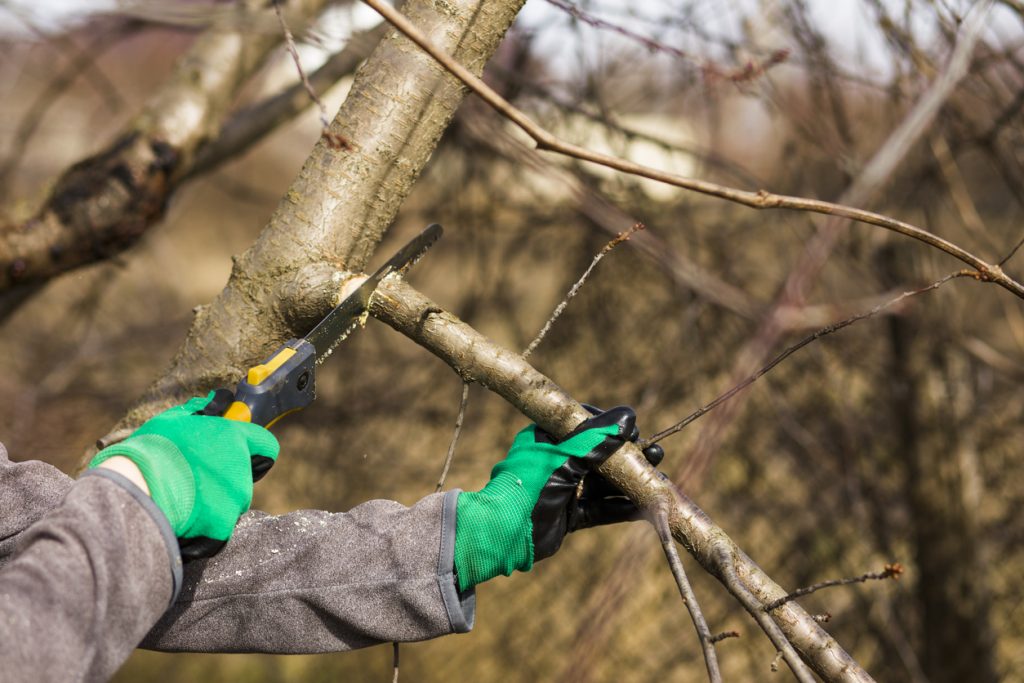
(338, 207)
(762, 199)
(476, 358)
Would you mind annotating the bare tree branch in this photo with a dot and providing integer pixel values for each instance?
(790, 350)
(540, 399)
(614, 242)
(103, 204)
(761, 199)
(707, 641)
(463, 402)
(289, 43)
(891, 571)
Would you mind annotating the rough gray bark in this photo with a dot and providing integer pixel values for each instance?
(477, 359)
(338, 208)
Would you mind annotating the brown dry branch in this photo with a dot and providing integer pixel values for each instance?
(675, 563)
(463, 402)
(687, 274)
(890, 571)
(614, 242)
(724, 635)
(790, 350)
(478, 359)
(289, 43)
(105, 203)
(762, 199)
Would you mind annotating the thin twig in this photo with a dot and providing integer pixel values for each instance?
(455, 436)
(707, 642)
(615, 241)
(289, 42)
(789, 351)
(762, 199)
(394, 661)
(746, 72)
(251, 124)
(756, 609)
(719, 637)
(891, 571)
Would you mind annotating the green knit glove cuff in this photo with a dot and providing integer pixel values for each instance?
(166, 471)
(494, 529)
(493, 533)
(198, 467)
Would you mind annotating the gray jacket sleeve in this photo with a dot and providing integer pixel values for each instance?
(88, 580)
(314, 581)
(309, 581)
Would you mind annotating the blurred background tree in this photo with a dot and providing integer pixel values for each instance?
(892, 440)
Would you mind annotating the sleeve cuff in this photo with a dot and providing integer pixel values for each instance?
(170, 540)
(461, 607)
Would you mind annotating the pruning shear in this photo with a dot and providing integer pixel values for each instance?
(285, 382)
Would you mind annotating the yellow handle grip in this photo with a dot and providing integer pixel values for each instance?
(238, 411)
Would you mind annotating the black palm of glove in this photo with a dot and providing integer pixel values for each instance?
(564, 506)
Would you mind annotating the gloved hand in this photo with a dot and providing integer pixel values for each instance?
(199, 468)
(531, 501)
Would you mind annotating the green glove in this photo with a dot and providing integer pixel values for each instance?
(532, 500)
(199, 468)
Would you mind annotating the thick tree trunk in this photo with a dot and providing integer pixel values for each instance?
(344, 198)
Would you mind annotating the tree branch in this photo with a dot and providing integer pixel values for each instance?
(707, 641)
(762, 199)
(105, 203)
(478, 359)
(336, 211)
